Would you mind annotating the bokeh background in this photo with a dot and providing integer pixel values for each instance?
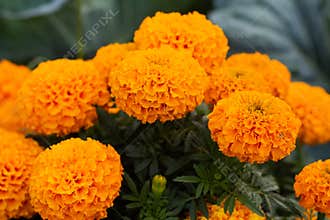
(297, 32)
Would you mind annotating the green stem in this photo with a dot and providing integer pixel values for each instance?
(79, 29)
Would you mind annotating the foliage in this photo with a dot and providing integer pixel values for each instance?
(295, 32)
(196, 172)
(51, 28)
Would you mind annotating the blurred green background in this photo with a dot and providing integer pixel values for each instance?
(297, 32)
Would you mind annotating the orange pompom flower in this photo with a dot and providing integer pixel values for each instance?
(75, 179)
(17, 155)
(229, 79)
(11, 79)
(60, 97)
(158, 84)
(109, 56)
(312, 105)
(254, 127)
(192, 32)
(275, 73)
(240, 212)
(312, 186)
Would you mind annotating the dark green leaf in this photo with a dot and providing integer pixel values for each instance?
(229, 204)
(130, 183)
(250, 204)
(187, 179)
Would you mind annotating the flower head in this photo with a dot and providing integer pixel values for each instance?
(60, 97)
(254, 127)
(312, 105)
(229, 79)
(192, 32)
(312, 186)
(17, 155)
(109, 56)
(276, 74)
(81, 182)
(158, 84)
(11, 79)
(240, 212)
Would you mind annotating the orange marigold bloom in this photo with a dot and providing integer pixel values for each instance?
(81, 181)
(312, 186)
(240, 212)
(11, 79)
(109, 56)
(17, 155)
(158, 84)
(275, 73)
(60, 97)
(254, 127)
(192, 31)
(312, 105)
(229, 79)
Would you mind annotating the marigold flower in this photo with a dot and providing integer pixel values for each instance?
(228, 79)
(11, 79)
(81, 181)
(60, 97)
(312, 186)
(109, 56)
(275, 73)
(17, 155)
(254, 127)
(312, 105)
(158, 84)
(192, 31)
(240, 212)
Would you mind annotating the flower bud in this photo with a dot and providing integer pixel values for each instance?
(158, 184)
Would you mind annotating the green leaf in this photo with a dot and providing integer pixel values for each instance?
(134, 205)
(145, 191)
(48, 28)
(229, 204)
(187, 179)
(141, 165)
(19, 9)
(250, 204)
(292, 31)
(199, 190)
(130, 198)
(130, 183)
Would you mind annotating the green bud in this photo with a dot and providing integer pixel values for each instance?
(158, 184)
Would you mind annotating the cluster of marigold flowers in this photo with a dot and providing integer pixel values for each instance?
(174, 64)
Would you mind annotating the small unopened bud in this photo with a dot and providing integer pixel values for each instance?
(158, 184)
